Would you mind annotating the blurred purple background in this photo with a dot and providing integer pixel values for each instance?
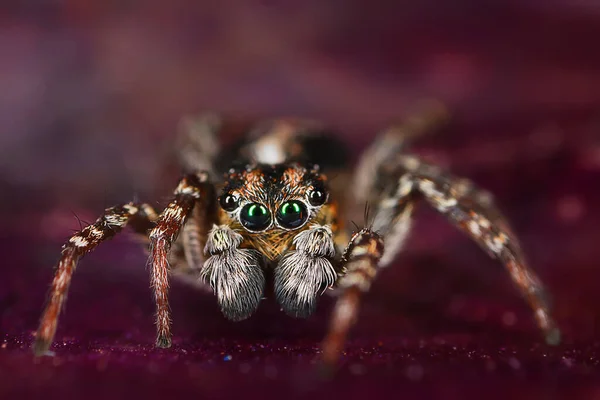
(89, 103)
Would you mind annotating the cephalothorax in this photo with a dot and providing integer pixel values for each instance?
(271, 222)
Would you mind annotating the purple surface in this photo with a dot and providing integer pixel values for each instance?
(91, 96)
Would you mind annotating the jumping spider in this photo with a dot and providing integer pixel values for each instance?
(272, 228)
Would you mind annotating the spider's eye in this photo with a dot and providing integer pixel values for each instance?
(317, 197)
(255, 217)
(228, 202)
(292, 214)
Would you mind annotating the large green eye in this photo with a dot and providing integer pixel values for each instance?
(255, 217)
(292, 214)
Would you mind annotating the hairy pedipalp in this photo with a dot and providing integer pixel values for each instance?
(234, 274)
(306, 272)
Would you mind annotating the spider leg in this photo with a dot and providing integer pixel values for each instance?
(192, 188)
(198, 145)
(196, 232)
(472, 211)
(359, 264)
(140, 217)
(469, 208)
(424, 120)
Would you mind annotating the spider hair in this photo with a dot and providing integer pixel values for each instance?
(235, 275)
(303, 274)
(276, 170)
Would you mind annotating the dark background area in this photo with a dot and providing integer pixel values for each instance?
(90, 98)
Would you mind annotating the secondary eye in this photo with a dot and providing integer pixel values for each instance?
(255, 217)
(317, 197)
(228, 202)
(292, 214)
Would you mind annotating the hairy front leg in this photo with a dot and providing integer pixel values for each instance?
(192, 189)
(140, 216)
(360, 262)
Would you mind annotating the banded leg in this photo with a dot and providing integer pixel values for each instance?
(391, 142)
(359, 264)
(191, 189)
(472, 211)
(140, 216)
(197, 143)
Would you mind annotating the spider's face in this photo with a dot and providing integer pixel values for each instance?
(270, 204)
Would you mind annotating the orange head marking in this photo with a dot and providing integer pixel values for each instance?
(270, 204)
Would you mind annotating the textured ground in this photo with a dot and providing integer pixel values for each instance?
(89, 101)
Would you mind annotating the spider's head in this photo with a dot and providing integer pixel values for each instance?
(270, 204)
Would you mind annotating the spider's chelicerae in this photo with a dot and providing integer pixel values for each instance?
(269, 223)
